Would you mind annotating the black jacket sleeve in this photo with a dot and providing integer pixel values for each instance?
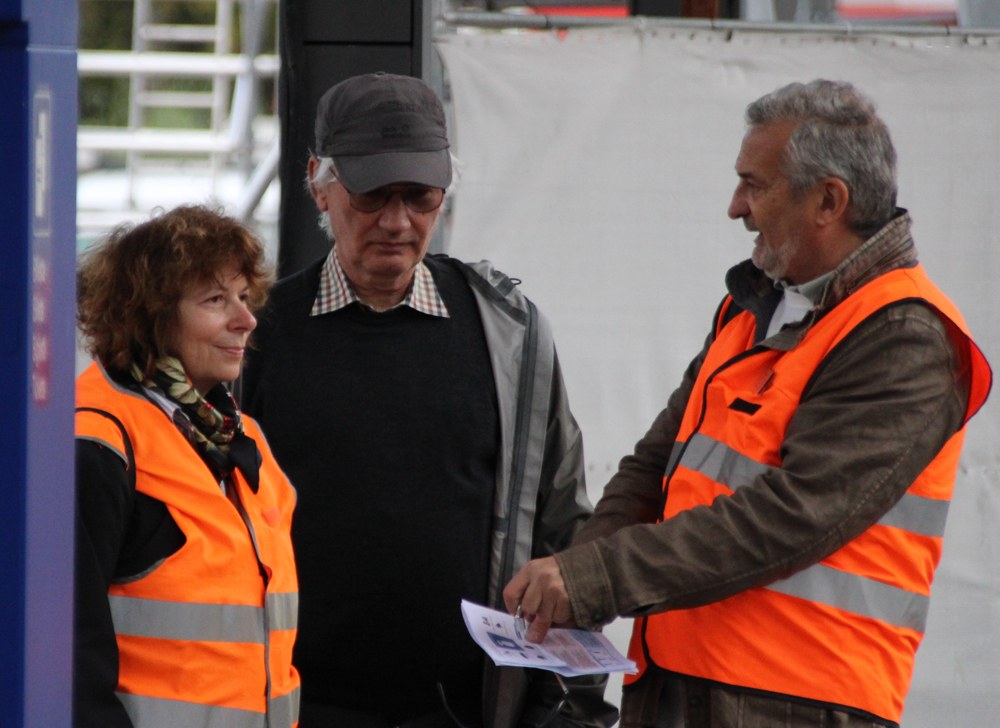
(104, 500)
(119, 533)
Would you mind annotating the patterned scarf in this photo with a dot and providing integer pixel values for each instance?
(212, 424)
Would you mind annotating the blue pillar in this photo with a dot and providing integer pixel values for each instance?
(38, 111)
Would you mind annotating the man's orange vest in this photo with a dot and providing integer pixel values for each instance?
(205, 637)
(845, 630)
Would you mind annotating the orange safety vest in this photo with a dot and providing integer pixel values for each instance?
(844, 631)
(204, 639)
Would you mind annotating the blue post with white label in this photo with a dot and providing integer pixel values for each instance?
(38, 112)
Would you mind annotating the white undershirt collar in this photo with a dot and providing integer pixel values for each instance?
(796, 302)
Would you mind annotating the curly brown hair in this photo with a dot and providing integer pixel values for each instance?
(129, 287)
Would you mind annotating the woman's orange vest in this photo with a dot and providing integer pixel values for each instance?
(845, 630)
(204, 637)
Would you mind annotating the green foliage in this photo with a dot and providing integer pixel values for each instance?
(181, 13)
(105, 25)
(103, 101)
(174, 118)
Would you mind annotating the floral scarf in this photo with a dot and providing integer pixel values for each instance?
(212, 424)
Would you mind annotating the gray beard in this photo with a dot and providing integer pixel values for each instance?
(774, 263)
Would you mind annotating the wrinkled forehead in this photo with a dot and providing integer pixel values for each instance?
(763, 147)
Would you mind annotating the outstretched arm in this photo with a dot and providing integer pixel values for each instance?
(632, 496)
(877, 412)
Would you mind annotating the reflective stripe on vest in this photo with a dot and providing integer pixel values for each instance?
(284, 710)
(857, 595)
(150, 712)
(283, 611)
(843, 631)
(916, 514)
(196, 622)
(848, 592)
(719, 462)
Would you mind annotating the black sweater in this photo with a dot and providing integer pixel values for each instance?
(387, 425)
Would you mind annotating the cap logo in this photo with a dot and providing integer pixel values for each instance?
(396, 132)
(383, 129)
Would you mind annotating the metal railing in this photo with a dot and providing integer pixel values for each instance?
(226, 144)
(509, 21)
(196, 65)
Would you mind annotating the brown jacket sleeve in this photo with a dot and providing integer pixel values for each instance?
(877, 411)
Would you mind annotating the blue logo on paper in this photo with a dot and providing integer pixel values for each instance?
(505, 643)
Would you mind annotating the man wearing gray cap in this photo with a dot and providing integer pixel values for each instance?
(417, 405)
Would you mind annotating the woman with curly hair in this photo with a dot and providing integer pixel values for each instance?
(186, 591)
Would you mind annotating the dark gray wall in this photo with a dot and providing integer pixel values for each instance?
(672, 8)
(323, 42)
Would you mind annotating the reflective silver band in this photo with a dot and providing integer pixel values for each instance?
(282, 611)
(822, 584)
(916, 514)
(675, 453)
(284, 710)
(857, 595)
(194, 622)
(147, 712)
(719, 462)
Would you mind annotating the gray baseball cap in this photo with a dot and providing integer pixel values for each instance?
(382, 129)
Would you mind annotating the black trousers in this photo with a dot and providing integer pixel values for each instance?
(317, 715)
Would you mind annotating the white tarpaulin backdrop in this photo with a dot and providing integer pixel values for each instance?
(598, 168)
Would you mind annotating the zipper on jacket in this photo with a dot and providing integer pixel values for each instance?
(519, 449)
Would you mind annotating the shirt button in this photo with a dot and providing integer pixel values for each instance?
(694, 701)
(597, 617)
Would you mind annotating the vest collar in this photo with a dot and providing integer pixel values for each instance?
(890, 248)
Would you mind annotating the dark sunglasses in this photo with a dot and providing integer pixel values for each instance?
(418, 198)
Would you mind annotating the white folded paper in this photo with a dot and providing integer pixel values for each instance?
(569, 652)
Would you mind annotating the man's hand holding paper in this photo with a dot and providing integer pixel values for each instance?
(538, 589)
(568, 652)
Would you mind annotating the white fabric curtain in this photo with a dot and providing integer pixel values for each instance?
(597, 168)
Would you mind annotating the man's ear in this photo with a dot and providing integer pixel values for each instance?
(318, 194)
(833, 201)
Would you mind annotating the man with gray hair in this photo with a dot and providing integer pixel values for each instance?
(775, 533)
(417, 405)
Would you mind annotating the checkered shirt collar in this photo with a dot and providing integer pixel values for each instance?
(335, 291)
